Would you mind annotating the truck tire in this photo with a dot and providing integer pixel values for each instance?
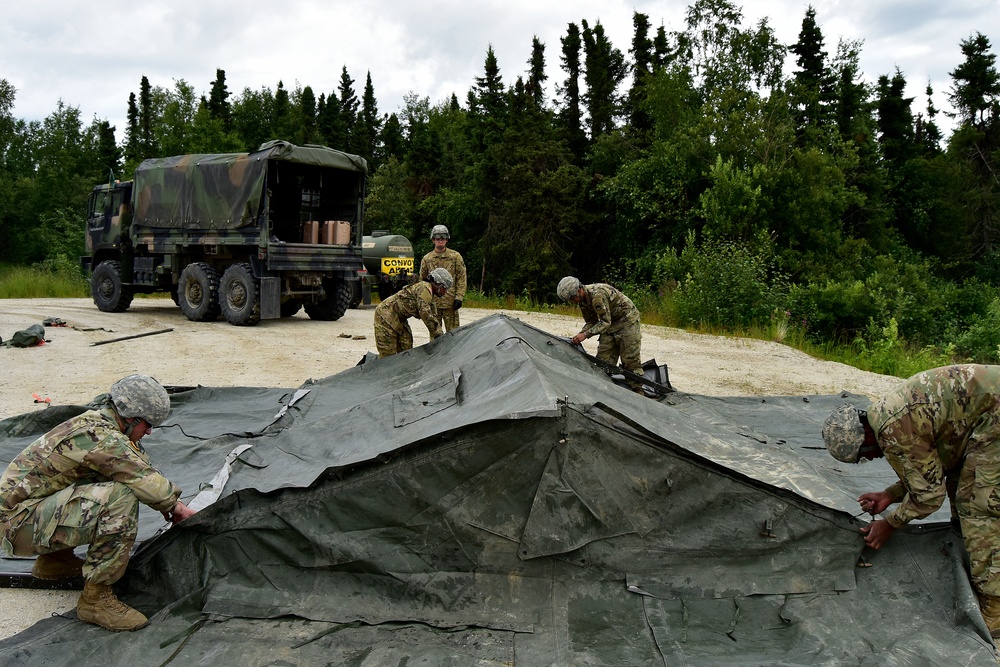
(338, 298)
(107, 289)
(239, 296)
(356, 295)
(198, 292)
(291, 307)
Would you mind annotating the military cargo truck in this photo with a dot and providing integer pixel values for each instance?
(249, 235)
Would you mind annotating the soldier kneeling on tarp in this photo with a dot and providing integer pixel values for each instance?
(81, 483)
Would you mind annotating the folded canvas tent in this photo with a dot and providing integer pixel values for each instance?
(493, 498)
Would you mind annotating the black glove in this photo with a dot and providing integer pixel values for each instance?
(458, 304)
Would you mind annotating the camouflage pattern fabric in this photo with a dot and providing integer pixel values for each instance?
(451, 261)
(389, 340)
(392, 331)
(940, 431)
(624, 343)
(81, 483)
(104, 516)
(612, 315)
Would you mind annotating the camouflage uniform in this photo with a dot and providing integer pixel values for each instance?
(612, 315)
(392, 331)
(81, 483)
(940, 431)
(455, 265)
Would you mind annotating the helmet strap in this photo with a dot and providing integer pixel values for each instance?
(130, 425)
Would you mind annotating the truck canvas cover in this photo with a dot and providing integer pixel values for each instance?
(493, 498)
(221, 191)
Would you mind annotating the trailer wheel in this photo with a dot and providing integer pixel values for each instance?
(198, 292)
(338, 298)
(107, 289)
(239, 296)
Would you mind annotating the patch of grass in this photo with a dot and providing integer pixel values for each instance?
(53, 280)
(887, 355)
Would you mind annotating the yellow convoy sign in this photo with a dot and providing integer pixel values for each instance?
(392, 266)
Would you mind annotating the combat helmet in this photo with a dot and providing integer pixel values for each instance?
(142, 397)
(568, 287)
(439, 230)
(441, 277)
(844, 434)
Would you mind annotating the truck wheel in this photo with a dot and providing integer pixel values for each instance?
(290, 307)
(338, 298)
(240, 296)
(107, 289)
(356, 295)
(198, 292)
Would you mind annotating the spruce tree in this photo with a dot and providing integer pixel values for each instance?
(976, 83)
(348, 111)
(569, 119)
(133, 137)
(369, 127)
(604, 70)
(218, 101)
(813, 89)
(642, 68)
(895, 120)
(535, 86)
(146, 142)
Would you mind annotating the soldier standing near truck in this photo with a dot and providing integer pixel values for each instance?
(392, 331)
(443, 257)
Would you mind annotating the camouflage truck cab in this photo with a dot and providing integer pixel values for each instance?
(249, 235)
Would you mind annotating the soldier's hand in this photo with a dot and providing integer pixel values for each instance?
(178, 513)
(458, 304)
(877, 533)
(579, 338)
(874, 502)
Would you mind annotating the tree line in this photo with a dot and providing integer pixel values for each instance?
(688, 168)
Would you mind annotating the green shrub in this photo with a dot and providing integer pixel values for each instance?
(729, 284)
(836, 311)
(980, 341)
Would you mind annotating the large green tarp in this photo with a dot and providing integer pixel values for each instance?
(494, 498)
(220, 191)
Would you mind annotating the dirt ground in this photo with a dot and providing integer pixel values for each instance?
(77, 363)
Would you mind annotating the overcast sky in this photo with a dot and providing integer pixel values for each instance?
(92, 55)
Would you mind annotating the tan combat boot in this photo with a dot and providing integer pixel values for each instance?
(57, 565)
(98, 605)
(989, 605)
